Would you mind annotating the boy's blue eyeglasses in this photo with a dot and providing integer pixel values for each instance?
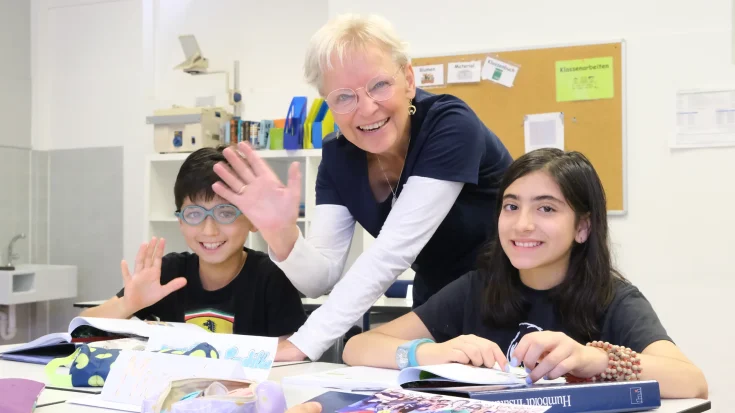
(195, 214)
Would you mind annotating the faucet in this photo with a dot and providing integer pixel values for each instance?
(11, 255)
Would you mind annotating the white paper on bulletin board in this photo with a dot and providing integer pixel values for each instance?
(543, 130)
(704, 118)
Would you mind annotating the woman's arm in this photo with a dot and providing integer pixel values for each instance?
(421, 208)
(677, 376)
(315, 264)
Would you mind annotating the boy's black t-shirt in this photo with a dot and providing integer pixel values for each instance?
(259, 301)
(456, 310)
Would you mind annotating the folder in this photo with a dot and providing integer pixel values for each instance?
(293, 131)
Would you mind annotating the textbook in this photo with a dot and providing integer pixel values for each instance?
(86, 330)
(497, 386)
(397, 400)
(603, 397)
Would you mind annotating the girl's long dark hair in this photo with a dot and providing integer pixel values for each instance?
(588, 287)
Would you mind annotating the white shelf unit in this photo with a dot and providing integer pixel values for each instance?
(161, 171)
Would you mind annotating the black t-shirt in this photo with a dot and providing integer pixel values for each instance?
(260, 301)
(448, 142)
(629, 320)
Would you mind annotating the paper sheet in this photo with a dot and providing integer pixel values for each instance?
(498, 71)
(464, 72)
(704, 119)
(255, 354)
(138, 375)
(584, 79)
(432, 75)
(544, 130)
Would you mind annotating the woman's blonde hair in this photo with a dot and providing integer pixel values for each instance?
(350, 32)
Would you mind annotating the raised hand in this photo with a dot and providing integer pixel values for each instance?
(467, 349)
(252, 186)
(551, 354)
(144, 288)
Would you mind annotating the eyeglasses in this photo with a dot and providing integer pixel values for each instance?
(195, 214)
(379, 88)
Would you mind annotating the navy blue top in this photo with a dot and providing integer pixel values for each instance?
(448, 142)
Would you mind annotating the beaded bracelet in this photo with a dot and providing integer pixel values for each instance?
(623, 364)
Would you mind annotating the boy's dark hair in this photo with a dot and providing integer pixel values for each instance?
(196, 176)
(588, 287)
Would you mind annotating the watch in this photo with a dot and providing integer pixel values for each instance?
(406, 353)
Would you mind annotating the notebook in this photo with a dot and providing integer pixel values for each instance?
(84, 330)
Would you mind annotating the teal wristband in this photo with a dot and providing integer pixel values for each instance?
(412, 351)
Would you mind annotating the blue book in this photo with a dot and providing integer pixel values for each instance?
(605, 397)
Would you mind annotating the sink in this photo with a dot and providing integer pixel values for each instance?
(29, 283)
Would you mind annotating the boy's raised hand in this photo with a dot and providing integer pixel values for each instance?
(144, 288)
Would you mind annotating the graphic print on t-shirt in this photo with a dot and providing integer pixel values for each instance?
(523, 329)
(214, 321)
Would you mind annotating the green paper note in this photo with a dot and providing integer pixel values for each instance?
(584, 79)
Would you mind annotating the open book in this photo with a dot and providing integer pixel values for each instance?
(367, 379)
(83, 330)
(456, 375)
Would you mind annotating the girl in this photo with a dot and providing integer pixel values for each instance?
(544, 288)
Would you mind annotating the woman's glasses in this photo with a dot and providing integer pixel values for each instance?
(195, 214)
(379, 88)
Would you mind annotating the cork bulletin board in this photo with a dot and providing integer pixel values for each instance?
(593, 127)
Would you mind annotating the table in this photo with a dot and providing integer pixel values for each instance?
(294, 394)
(397, 306)
(300, 394)
(49, 396)
(394, 307)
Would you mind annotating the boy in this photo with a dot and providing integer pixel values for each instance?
(222, 287)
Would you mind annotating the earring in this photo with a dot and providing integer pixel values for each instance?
(411, 107)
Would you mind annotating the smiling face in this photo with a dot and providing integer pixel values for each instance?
(537, 228)
(373, 126)
(213, 242)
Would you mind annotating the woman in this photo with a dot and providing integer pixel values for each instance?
(547, 286)
(417, 171)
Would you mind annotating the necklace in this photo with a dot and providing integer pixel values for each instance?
(395, 195)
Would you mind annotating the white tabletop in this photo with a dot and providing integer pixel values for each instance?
(52, 396)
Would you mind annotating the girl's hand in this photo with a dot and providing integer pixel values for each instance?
(467, 349)
(550, 355)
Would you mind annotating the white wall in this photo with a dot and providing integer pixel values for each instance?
(676, 241)
(674, 244)
(103, 66)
